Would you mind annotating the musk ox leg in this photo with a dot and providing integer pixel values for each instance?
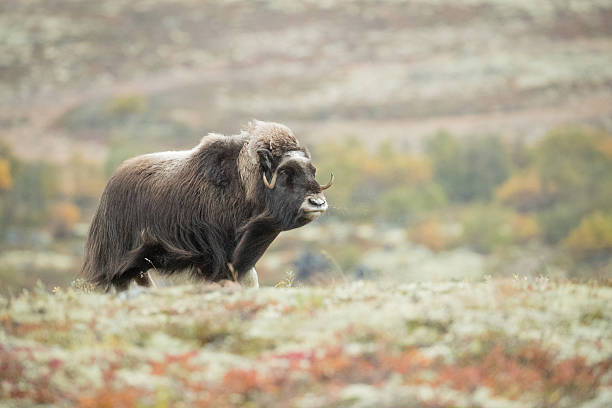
(256, 238)
(135, 267)
(138, 274)
(122, 283)
(248, 280)
(144, 279)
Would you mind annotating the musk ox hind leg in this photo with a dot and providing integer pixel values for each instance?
(166, 258)
(135, 265)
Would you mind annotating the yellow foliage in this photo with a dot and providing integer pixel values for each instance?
(520, 188)
(593, 234)
(401, 167)
(524, 227)
(408, 169)
(6, 182)
(126, 104)
(82, 178)
(345, 161)
(430, 234)
(371, 166)
(605, 147)
(65, 215)
(357, 167)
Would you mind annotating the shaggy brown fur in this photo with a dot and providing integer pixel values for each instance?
(203, 208)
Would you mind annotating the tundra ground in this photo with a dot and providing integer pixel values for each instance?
(498, 343)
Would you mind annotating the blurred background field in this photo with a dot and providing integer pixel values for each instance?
(469, 138)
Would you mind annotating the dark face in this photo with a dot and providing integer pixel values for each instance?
(292, 189)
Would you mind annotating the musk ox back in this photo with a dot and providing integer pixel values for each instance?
(212, 210)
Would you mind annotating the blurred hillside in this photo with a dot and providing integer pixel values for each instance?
(373, 69)
(468, 137)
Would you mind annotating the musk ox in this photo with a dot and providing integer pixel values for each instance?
(212, 210)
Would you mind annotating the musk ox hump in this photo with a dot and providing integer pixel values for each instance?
(216, 157)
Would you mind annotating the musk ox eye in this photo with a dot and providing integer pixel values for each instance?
(285, 175)
(289, 173)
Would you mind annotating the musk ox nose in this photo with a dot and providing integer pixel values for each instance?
(316, 201)
(313, 206)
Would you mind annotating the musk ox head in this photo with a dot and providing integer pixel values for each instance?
(281, 176)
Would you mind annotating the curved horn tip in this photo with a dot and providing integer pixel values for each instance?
(328, 185)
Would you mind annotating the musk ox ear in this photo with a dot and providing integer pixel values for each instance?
(265, 161)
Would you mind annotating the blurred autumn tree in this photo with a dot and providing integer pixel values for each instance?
(82, 182)
(487, 227)
(592, 237)
(30, 189)
(35, 187)
(567, 187)
(575, 168)
(429, 233)
(405, 203)
(65, 217)
(382, 183)
(6, 181)
(6, 184)
(348, 161)
(559, 189)
(522, 191)
(469, 169)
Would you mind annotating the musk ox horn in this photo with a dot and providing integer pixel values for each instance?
(328, 185)
(272, 183)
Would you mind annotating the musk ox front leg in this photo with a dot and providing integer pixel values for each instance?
(250, 279)
(256, 238)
